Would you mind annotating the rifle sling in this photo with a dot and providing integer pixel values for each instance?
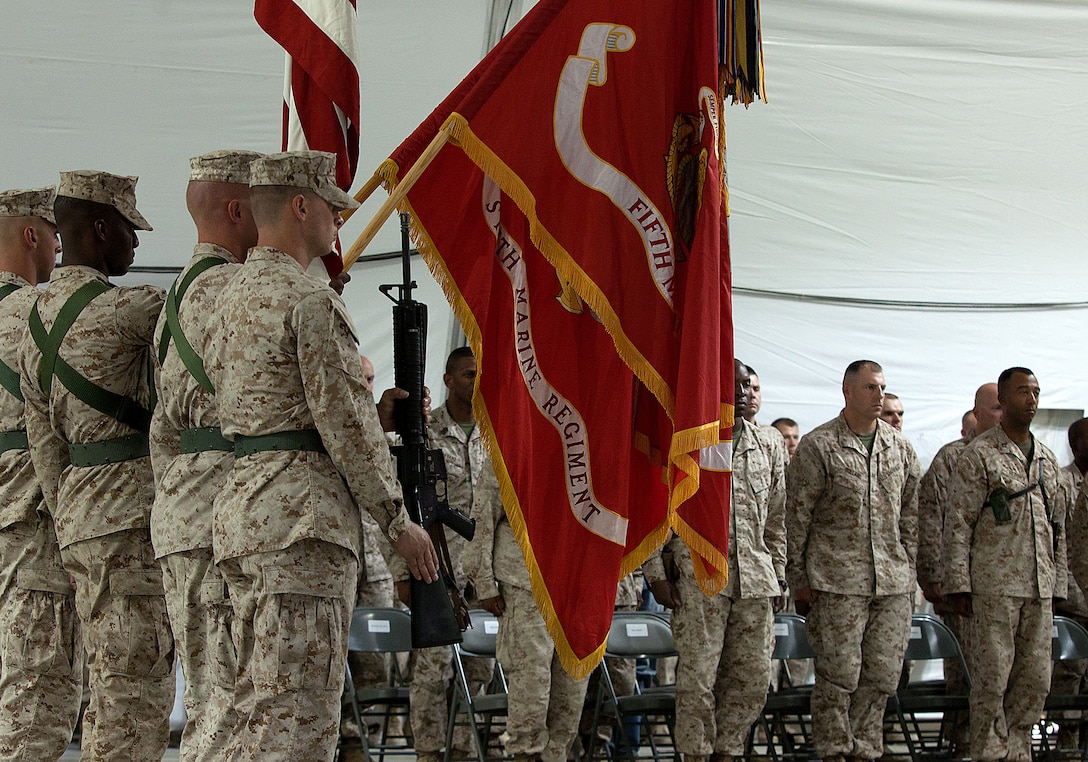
(445, 569)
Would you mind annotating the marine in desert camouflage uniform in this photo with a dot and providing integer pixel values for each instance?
(375, 582)
(933, 501)
(851, 524)
(93, 466)
(725, 642)
(1068, 677)
(41, 653)
(189, 454)
(545, 703)
(453, 430)
(310, 454)
(1004, 562)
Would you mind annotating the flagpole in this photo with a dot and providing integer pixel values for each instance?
(363, 194)
(395, 197)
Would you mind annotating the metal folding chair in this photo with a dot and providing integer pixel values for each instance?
(786, 721)
(927, 712)
(380, 631)
(477, 710)
(637, 635)
(1069, 642)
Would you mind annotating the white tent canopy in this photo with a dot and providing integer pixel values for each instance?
(925, 163)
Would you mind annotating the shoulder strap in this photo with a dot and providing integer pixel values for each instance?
(117, 406)
(172, 330)
(49, 342)
(9, 377)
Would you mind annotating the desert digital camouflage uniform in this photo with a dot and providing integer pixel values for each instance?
(102, 510)
(628, 598)
(933, 500)
(466, 463)
(852, 524)
(188, 479)
(545, 703)
(287, 530)
(375, 590)
(41, 653)
(1012, 571)
(622, 671)
(725, 642)
(1068, 677)
(932, 503)
(1076, 526)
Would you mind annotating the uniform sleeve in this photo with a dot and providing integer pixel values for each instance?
(1076, 530)
(805, 479)
(653, 568)
(1060, 518)
(908, 510)
(774, 533)
(48, 450)
(137, 314)
(967, 493)
(164, 438)
(478, 561)
(343, 410)
(930, 523)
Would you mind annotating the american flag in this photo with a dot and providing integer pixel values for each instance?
(321, 83)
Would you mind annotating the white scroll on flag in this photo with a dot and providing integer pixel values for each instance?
(321, 82)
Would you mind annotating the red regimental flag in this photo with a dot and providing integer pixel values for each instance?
(554, 400)
(321, 83)
(600, 120)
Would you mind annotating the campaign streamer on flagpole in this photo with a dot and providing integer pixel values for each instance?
(574, 217)
(321, 81)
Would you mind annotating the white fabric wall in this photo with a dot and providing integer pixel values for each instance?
(933, 151)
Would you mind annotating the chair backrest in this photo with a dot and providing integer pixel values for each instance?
(791, 637)
(1069, 640)
(930, 638)
(639, 634)
(380, 630)
(479, 638)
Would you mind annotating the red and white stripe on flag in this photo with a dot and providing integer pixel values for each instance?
(321, 85)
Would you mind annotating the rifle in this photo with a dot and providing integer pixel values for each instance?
(439, 613)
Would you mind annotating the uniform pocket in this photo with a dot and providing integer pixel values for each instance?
(44, 632)
(303, 618)
(219, 623)
(143, 645)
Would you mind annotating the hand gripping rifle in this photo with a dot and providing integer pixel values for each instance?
(439, 613)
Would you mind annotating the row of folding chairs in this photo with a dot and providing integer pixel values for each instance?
(926, 712)
(923, 714)
(389, 631)
(634, 635)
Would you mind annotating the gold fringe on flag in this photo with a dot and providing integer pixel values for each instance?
(741, 50)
